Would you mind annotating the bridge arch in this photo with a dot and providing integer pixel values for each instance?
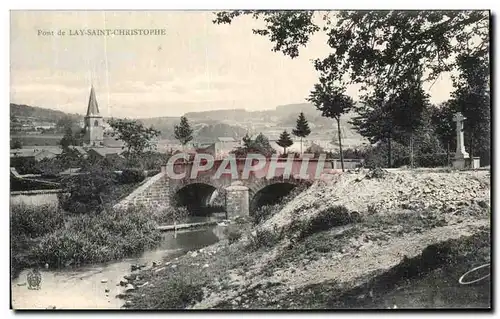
(195, 194)
(270, 191)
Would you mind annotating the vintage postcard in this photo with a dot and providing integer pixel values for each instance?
(278, 160)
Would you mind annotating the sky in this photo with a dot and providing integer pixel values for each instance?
(195, 66)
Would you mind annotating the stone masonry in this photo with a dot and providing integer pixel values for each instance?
(237, 203)
(153, 193)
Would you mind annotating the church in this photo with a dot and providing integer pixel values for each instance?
(94, 126)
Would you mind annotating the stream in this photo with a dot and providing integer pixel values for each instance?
(85, 287)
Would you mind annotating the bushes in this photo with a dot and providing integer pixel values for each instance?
(79, 239)
(233, 236)
(179, 294)
(265, 238)
(132, 175)
(35, 221)
(324, 220)
(167, 215)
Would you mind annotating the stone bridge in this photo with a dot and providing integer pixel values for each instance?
(236, 186)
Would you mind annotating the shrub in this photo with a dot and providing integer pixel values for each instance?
(169, 214)
(264, 212)
(265, 238)
(132, 175)
(35, 221)
(324, 220)
(89, 238)
(233, 236)
(176, 294)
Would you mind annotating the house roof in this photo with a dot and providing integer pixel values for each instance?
(105, 151)
(93, 108)
(70, 171)
(23, 152)
(79, 149)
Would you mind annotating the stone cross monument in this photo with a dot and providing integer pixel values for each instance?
(461, 155)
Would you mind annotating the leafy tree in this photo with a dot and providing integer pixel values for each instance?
(15, 144)
(301, 129)
(409, 106)
(183, 132)
(444, 126)
(375, 120)
(86, 190)
(332, 102)
(134, 134)
(260, 145)
(247, 141)
(472, 98)
(377, 48)
(64, 123)
(285, 141)
(68, 139)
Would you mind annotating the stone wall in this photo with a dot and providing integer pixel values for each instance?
(153, 193)
(237, 202)
(35, 197)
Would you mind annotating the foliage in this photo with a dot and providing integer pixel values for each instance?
(35, 221)
(472, 98)
(331, 101)
(132, 175)
(134, 134)
(93, 238)
(443, 124)
(324, 220)
(264, 238)
(70, 138)
(301, 129)
(179, 294)
(168, 215)
(183, 132)
(285, 140)
(24, 165)
(233, 235)
(377, 48)
(260, 145)
(15, 144)
(44, 234)
(86, 190)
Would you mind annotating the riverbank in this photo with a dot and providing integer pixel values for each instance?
(354, 242)
(47, 237)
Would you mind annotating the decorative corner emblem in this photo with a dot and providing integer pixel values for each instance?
(34, 279)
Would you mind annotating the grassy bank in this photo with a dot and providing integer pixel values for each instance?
(47, 235)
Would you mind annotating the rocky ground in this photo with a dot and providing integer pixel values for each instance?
(396, 227)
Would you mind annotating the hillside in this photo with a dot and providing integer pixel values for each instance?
(39, 113)
(209, 125)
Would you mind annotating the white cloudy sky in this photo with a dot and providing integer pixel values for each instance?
(197, 66)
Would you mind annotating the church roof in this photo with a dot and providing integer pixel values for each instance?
(93, 108)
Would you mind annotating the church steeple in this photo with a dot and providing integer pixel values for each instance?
(94, 128)
(93, 107)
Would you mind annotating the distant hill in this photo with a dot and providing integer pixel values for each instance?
(209, 125)
(42, 114)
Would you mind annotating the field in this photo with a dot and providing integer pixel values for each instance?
(38, 140)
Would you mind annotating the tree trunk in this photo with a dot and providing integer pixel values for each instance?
(448, 154)
(340, 145)
(389, 152)
(471, 148)
(411, 150)
(301, 145)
